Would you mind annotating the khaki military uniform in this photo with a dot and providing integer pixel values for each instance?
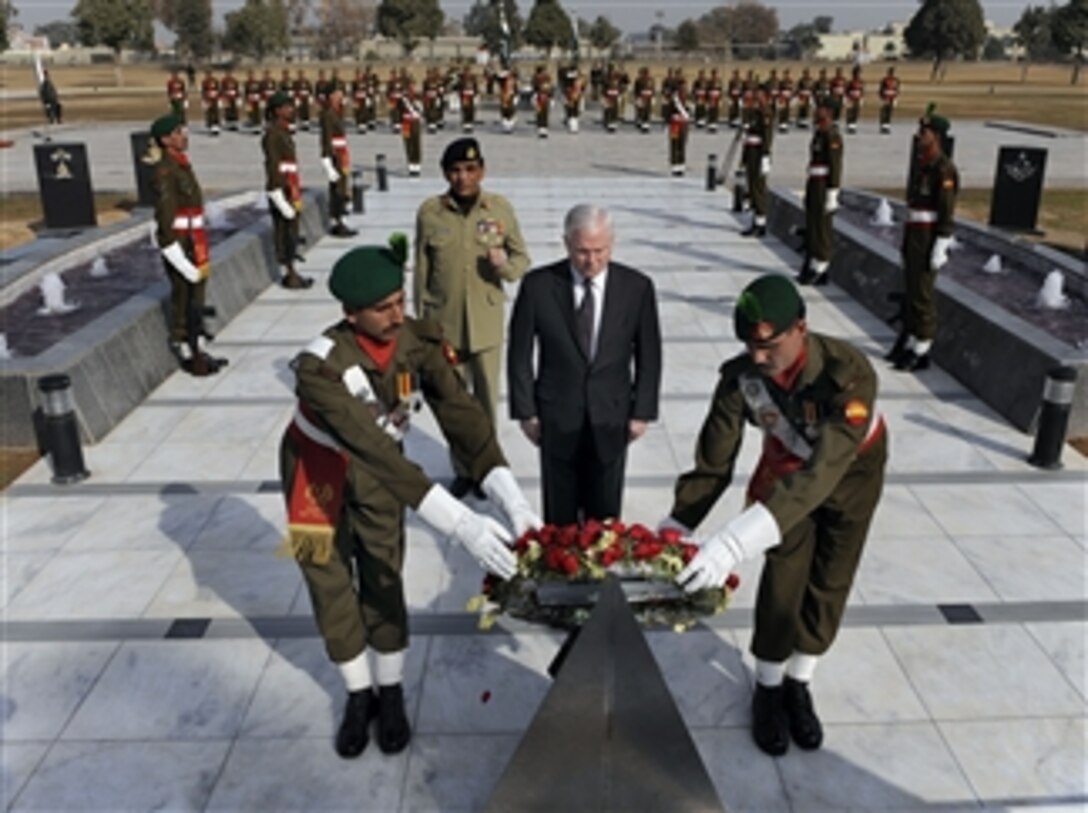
(456, 284)
(759, 131)
(281, 172)
(179, 217)
(824, 172)
(380, 480)
(931, 204)
(821, 485)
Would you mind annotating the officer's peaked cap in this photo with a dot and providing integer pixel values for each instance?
(463, 149)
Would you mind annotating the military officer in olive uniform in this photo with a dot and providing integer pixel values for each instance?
(889, 93)
(283, 185)
(468, 242)
(335, 158)
(821, 196)
(810, 500)
(183, 240)
(927, 237)
(758, 132)
(678, 118)
(346, 482)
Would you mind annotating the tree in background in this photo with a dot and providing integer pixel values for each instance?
(823, 24)
(715, 28)
(7, 12)
(257, 29)
(687, 36)
(58, 32)
(803, 40)
(482, 21)
(341, 25)
(1070, 31)
(193, 26)
(943, 28)
(409, 21)
(995, 49)
(117, 24)
(753, 24)
(549, 26)
(602, 34)
(1033, 35)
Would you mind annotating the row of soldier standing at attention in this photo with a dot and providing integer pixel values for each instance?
(347, 481)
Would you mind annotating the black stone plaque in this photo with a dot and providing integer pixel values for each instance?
(608, 736)
(64, 183)
(144, 167)
(1018, 188)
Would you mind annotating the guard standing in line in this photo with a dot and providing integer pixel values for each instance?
(359, 89)
(209, 96)
(644, 99)
(927, 237)
(542, 99)
(678, 117)
(698, 90)
(771, 86)
(759, 130)
(182, 236)
(228, 91)
(321, 91)
(713, 101)
(394, 87)
(283, 185)
(432, 100)
(610, 101)
(303, 92)
(336, 159)
(469, 89)
(508, 98)
(468, 243)
(804, 99)
(821, 196)
(268, 88)
(785, 98)
(838, 93)
(855, 90)
(572, 98)
(821, 88)
(346, 483)
(285, 84)
(810, 500)
(889, 93)
(254, 108)
(177, 94)
(735, 90)
(411, 129)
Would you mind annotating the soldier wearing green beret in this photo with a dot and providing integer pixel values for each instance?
(468, 242)
(346, 481)
(810, 499)
(283, 185)
(183, 240)
(927, 237)
(821, 195)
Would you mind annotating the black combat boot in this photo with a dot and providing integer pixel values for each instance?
(353, 736)
(770, 726)
(805, 726)
(393, 729)
(909, 361)
(898, 349)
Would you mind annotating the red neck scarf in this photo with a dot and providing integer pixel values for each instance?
(381, 352)
(786, 379)
(180, 157)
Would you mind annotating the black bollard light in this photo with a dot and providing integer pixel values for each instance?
(711, 172)
(1061, 382)
(382, 173)
(738, 197)
(60, 430)
(357, 205)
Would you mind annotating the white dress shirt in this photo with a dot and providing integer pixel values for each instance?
(598, 283)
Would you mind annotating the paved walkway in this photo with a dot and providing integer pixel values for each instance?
(159, 656)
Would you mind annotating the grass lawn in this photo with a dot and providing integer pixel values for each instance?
(21, 214)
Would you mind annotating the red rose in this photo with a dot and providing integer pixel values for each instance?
(732, 582)
(671, 536)
(617, 527)
(489, 584)
(688, 551)
(640, 533)
(568, 536)
(648, 550)
(609, 556)
(552, 559)
(548, 535)
(569, 564)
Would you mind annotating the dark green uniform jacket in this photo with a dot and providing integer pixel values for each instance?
(824, 172)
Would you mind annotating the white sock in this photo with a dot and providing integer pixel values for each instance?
(820, 266)
(921, 346)
(760, 220)
(356, 673)
(911, 342)
(770, 673)
(390, 667)
(802, 667)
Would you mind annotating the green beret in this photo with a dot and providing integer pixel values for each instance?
(934, 121)
(164, 125)
(368, 274)
(767, 307)
(463, 149)
(279, 99)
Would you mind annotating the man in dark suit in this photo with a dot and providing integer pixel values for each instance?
(594, 323)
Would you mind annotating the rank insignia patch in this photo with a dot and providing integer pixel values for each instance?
(450, 354)
(856, 412)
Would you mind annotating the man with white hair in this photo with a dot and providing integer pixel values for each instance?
(595, 388)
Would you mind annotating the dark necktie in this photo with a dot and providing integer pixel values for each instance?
(585, 319)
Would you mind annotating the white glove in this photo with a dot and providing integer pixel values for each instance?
(765, 165)
(670, 524)
(751, 533)
(832, 202)
(330, 169)
(175, 255)
(500, 487)
(279, 200)
(482, 536)
(939, 257)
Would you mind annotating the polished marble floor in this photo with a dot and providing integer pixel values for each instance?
(958, 681)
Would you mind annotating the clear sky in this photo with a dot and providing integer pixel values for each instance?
(639, 15)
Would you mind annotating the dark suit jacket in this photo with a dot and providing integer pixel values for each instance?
(620, 384)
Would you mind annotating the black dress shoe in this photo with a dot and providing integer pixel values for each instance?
(770, 725)
(393, 729)
(807, 276)
(898, 349)
(353, 735)
(805, 726)
(909, 361)
(461, 486)
(340, 230)
(754, 231)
